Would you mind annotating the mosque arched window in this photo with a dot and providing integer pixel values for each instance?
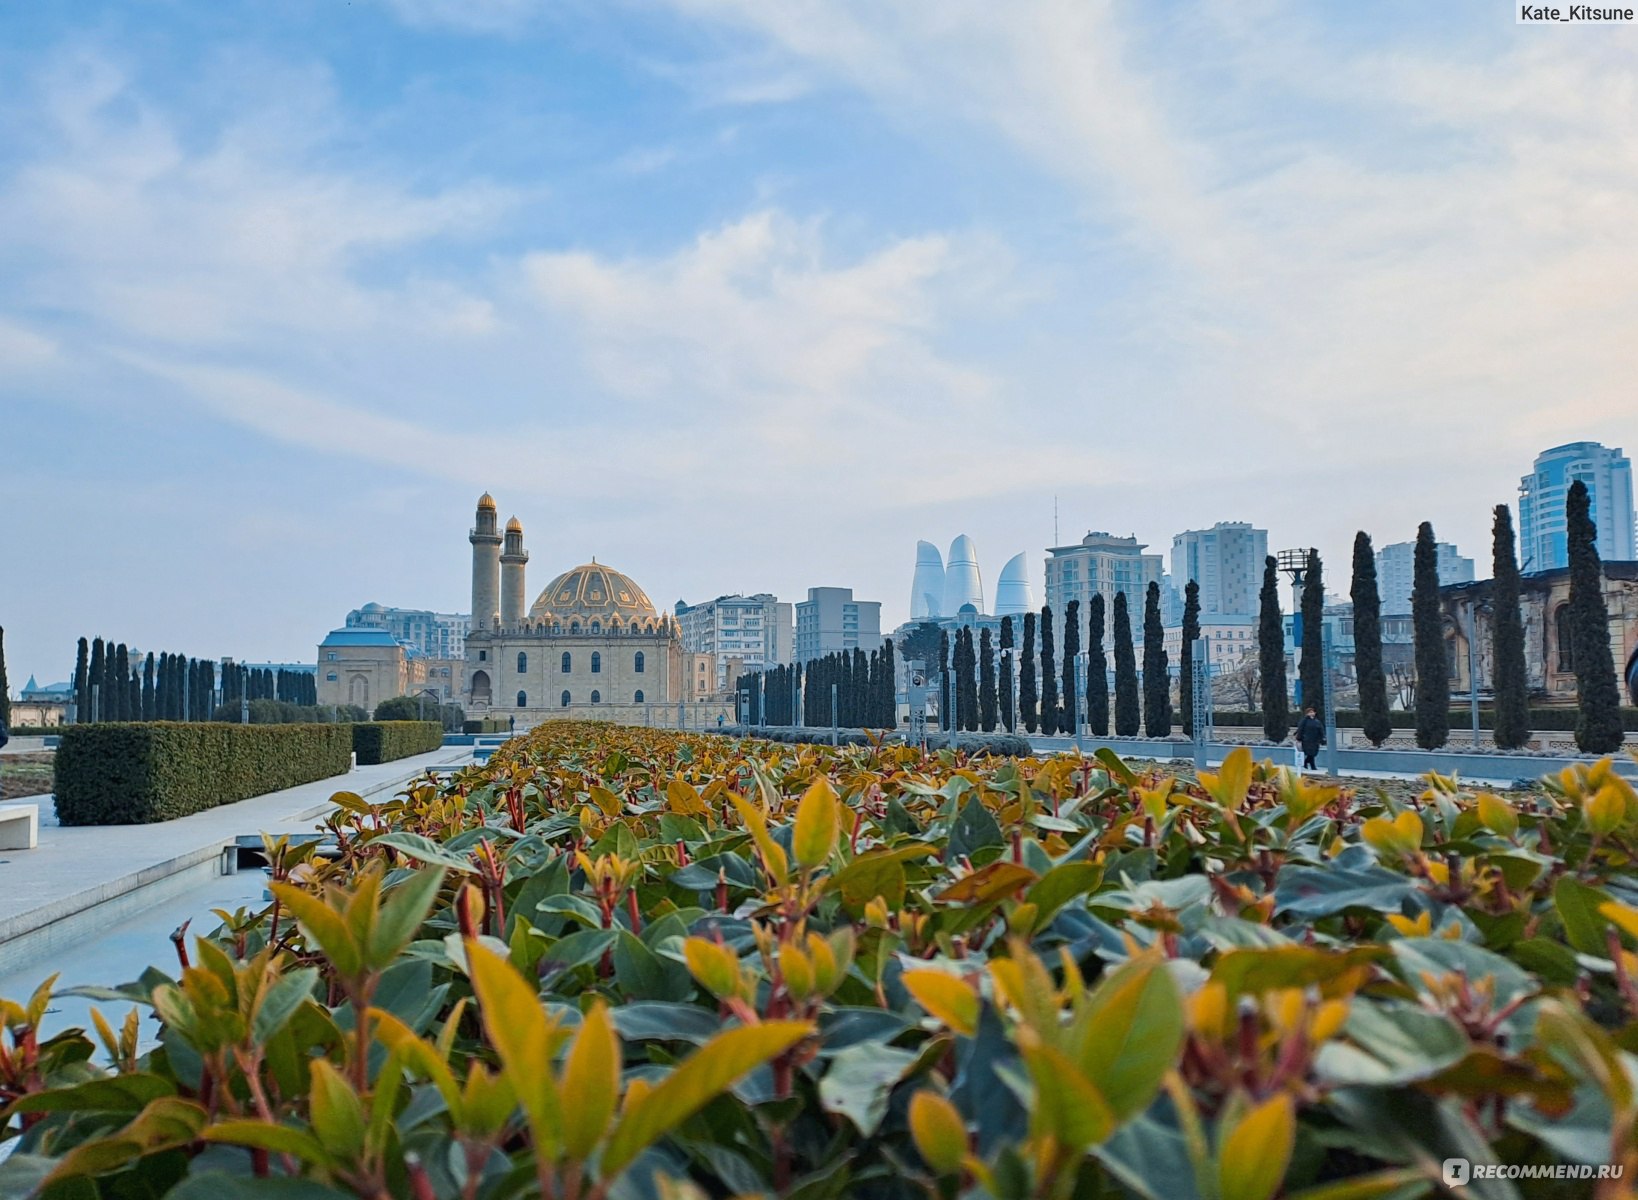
(637, 663)
(523, 662)
(574, 626)
(566, 662)
(638, 698)
(523, 700)
(597, 697)
(597, 627)
(597, 663)
(565, 699)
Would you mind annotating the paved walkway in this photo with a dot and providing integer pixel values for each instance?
(77, 869)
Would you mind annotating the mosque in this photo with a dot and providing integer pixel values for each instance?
(592, 645)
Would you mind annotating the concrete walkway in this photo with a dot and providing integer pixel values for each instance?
(81, 879)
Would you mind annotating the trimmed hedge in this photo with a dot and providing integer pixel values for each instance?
(487, 725)
(133, 773)
(1542, 720)
(382, 741)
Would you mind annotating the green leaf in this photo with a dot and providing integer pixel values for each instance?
(1061, 885)
(818, 824)
(860, 1081)
(1390, 1043)
(324, 928)
(1067, 1104)
(1130, 1033)
(591, 1083)
(974, 829)
(280, 1002)
(264, 1135)
(1252, 1159)
(1577, 906)
(115, 1094)
(338, 1114)
(698, 1080)
(220, 1185)
(425, 850)
(1116, 767)
(402, 914)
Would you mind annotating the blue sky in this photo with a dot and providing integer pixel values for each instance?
(745, 295)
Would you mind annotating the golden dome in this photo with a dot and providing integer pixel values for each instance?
(593, 590)
(486, 501)
(514, 526)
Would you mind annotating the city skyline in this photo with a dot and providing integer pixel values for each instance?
(283, 290)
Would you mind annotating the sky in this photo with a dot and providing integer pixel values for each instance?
(749, 295)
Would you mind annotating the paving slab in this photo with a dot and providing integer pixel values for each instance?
(80, 879)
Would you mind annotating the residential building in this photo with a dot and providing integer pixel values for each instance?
(1608, 476)
(1102, 564)
(1232, 639)
(830, 619)
(1226, 561)
(1396, 573)
(437, 635)
(756, 631)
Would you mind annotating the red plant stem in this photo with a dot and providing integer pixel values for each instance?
(634, 910)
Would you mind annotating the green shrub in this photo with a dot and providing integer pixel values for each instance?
(487, 725)
(133, 773)
(383, 741)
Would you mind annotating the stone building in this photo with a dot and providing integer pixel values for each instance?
(366, 666)
(590, 646)
(1544, 598)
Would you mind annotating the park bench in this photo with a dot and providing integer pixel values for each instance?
(19, 826)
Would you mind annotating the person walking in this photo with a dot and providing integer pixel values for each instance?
(1310, 736)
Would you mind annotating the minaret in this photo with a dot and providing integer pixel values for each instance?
(511, 574)
(486, 543)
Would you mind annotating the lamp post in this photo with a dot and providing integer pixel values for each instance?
(1294, 563)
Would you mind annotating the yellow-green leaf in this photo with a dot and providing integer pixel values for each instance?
(591, 1081)
(938, 1130)
(701, 1078)
(1253, 1156)
(773, 854)
(523, 1037)
(323, 927)
(1067, 1105)
(1129, 1034)
(714, 965)
(818, 823)
(1229, 785)
(949, 999)
(338, 1115)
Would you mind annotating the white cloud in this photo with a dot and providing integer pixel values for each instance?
(24, 349)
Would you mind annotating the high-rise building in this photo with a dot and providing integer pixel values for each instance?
(1396, 573)
(963, 584)
(437, 635)
(1226, 561)
(927, 587)
(1608, 476)
(753, 632)
(830, 619)
(1013, 594)
(1102, 564)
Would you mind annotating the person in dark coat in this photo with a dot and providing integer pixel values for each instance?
(1310, 736)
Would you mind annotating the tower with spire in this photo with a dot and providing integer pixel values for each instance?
(486, 559)
(513, 605)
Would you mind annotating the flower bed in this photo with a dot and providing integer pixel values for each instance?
(636, 963)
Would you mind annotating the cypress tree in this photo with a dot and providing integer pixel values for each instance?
(148, 711)
(1432, 665)
(1072, 649)
(1372, 679)
(82, 682)
(1128, 716)
(133, 694)
(1009, 719)
(1271, 656)
(93, 701)
(1311, 668)
(890, 686)
(968, 676)
(1049, 675)
(1157, 681)
(1510, 683)
(121, 683)
(946, 683)
(1026, 676)
(5, 688)
(986, 683)
(861, 688)
(1598, 697)
(1097, 670)
(1185, 665)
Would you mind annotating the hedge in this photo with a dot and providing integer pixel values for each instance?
(1542, 720)
(486, 726)
(132, 773)
(1000, 744)
(382, 741)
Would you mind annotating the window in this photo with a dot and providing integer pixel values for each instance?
(523, 700)
(483, 656)
(638, 698)
(638, 663)
(574, 626)
(565, 700)
(597, 697)
(597, 627)
(331, 677)
(1566, 640)
(331, 656)
(597, 663)
(566, 662)
(523, 662)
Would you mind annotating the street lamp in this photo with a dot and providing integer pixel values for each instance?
(1294, 563)
(421, 700)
